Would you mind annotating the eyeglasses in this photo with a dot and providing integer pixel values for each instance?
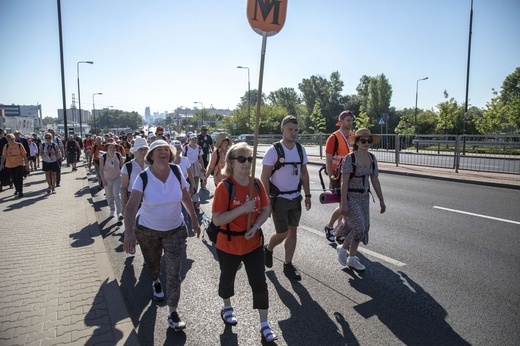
(204, 130)
(365, 140)
(242, 159)
(48, 137)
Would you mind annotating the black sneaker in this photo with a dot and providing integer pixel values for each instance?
(268, 257)
(340, 240)
(158, 293)
(175, 322)
(291, 272)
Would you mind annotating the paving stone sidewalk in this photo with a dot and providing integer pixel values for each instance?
(56, 282)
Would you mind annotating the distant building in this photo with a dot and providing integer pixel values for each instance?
(26, 119)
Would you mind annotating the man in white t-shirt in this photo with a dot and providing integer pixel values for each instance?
(283, 177)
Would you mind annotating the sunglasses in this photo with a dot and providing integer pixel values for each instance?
(48, 137)
(242, 159)
(364, 140)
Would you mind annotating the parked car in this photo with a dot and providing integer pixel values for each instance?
(249, 139)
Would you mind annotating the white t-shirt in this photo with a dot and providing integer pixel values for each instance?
(161, 208)
(285, 178)
(192, 154)
(184, 164)
(136, 169)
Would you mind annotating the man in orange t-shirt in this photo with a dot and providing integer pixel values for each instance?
(336, 149)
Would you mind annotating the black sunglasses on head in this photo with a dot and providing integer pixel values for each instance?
(364, 140)
(242, 159)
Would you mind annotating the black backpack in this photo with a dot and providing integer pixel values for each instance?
(175, 169)
(216, 164)
(353, 173)
(213, 229)
(280, 162)
(129, 168)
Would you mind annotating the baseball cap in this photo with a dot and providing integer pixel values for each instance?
(343, 115)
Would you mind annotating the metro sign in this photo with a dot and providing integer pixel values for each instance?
(266, 17)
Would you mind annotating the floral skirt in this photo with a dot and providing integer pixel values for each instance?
(356, 225)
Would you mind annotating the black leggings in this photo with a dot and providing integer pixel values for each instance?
(17, 177)
(255, 269)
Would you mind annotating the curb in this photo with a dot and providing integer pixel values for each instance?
(117, 312)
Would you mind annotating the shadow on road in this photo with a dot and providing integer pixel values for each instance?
(309, 324)
(408, 311)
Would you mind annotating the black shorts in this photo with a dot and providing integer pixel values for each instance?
(50, 166)
(32, 158)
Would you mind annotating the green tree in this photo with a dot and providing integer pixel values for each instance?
(379, 96)
(362, 120)
(49, 121)
(329, 94)
(492, 120)
(406, 120)
(287, 98)
(317, 119)
(449, 116)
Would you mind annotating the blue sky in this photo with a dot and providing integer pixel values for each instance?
(165, 53)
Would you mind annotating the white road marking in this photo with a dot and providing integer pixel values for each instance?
(361, 249)
(479, 215)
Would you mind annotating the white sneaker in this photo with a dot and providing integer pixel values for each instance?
(342, 255)
(111, 214)
(353, 262)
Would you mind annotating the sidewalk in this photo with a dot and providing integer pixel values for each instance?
(56, 282)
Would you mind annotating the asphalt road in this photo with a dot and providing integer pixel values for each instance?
(442, 269)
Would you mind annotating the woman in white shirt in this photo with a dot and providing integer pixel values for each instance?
(136, 166)
(158, 225)
(110, 165)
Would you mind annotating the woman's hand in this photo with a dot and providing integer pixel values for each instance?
(344, 209)
(129, 243)
(196, 229)
(248, 207)
(251, 233)
(382, 205)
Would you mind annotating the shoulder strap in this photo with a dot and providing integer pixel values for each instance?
(129, 168)
(176, 171)
(280, 155)
(353, 156)
(336, 144)
(144, 178)
(300, 151)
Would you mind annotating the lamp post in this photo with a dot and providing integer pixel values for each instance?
(79, 97)
(94, 108)
(202, 110)
(416, 96)
(248, 91)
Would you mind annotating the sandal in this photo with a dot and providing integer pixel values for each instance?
(268, 335)
(228, 316)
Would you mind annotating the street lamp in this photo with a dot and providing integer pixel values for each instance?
(248, 92)
(94, 108)
(202, 110)
(79, 97)
(416, 96)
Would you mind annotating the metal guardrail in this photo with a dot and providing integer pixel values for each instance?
(486, 153)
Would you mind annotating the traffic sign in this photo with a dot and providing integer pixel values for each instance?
(266, 17)
(381, 121)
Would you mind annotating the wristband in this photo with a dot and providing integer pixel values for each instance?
(308, 196)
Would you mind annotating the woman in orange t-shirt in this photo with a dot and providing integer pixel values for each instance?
(241, 245)
(14, 158)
